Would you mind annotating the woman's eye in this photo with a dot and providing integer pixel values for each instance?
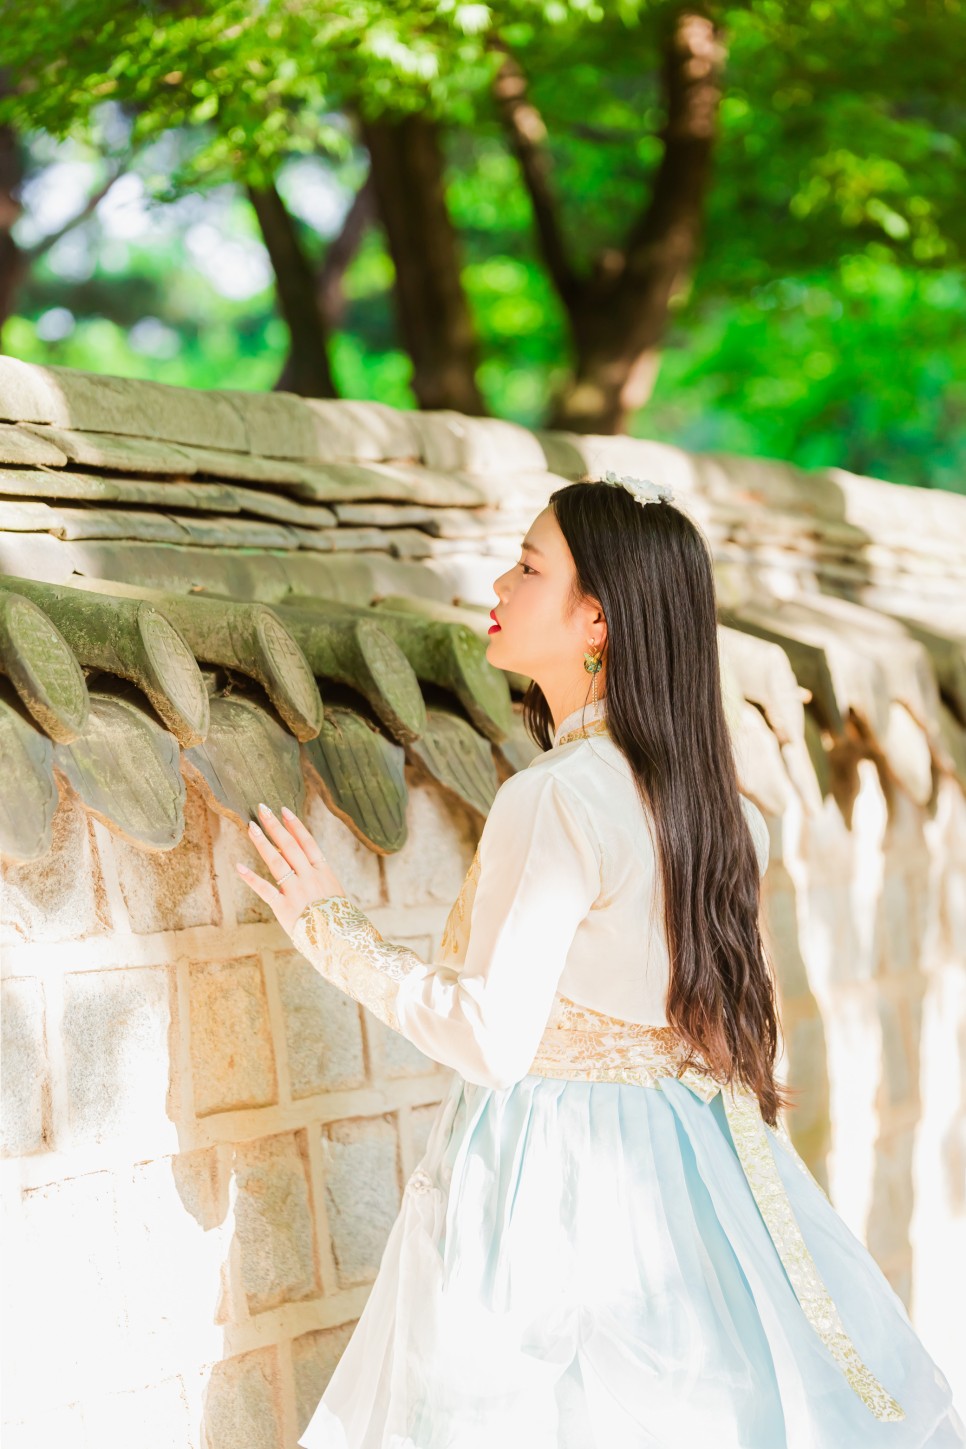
(527, 569)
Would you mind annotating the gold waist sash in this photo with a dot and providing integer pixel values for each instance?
(581, 1044)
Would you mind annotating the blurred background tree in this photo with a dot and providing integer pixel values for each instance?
(732, 226)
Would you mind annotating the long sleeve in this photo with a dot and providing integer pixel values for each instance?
(539, 875)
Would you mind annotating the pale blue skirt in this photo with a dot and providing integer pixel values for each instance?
(582, 1265)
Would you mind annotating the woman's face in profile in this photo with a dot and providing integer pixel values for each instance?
(538, 636)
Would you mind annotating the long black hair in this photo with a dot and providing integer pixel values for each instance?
(650, 570)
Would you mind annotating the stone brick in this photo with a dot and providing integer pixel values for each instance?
(117, 1051)
(356, 866)
(890, 1214)
(242, 1406)
(273, 1223)
(432, 864)
(23, 449)
(390, 1053)
(825, 843)
(174, 889)
(897, 1081)
(240, 901)
(323, 1032)
(951, 810)
(314, 1358)
(952, 913)
(154, 1416)
(780, 920)
(49, 1429)
(905, 839)
(232, 1060)
(828, 937)
(173, 1232)
(60, 897)
(421, 1123)
(573, 455)
(361, 1193)
(953, 1165)
(901, 1026)
(900, 1280)
(922, 916)
(99, 403)
(809, 1122)
(758, 760)
(362, 430)
(452, 443)
(897, 953)
(25, 1074)
(201, 1183)
(65, 1292)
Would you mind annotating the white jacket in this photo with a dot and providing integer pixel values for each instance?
(559, 902)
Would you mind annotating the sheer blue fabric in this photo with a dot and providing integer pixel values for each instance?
(582, 1265)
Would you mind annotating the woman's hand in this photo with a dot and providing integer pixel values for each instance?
(295, 863)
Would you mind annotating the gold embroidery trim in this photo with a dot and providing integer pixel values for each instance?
(449, 941)
(596, 727)
(582, 1044)
(758, 1160)
(344, 946)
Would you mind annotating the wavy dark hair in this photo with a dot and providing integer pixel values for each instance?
(651, 571)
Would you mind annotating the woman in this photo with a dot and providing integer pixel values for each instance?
(610, 1241)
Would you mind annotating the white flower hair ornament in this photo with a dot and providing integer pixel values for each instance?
(642, 489)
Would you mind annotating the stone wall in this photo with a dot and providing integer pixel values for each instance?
(203, 1143)
(212, 1140)
(867, 926)
(209, 1139)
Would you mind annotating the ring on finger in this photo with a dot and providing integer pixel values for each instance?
(285, 876)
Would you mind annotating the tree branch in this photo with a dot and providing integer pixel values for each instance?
(621, 315)
(12, 263)
(527, 134)
(307, 369)
(664, 238)
(46, 243)
(341, 251)
(435, 322)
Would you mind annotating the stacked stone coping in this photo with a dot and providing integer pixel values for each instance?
(856, 582)
(234, 1133)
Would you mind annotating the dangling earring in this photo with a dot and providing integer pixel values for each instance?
(592, 664)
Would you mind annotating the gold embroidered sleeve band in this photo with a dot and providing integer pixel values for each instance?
(345, 947)
(535, 876)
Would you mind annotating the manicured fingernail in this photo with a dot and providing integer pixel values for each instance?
(265, 808)
(242, 869)
(289, 814)
(255, 828)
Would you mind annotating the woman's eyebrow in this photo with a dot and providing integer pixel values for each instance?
(531, 548)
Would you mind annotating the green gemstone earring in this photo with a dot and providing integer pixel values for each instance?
(593, 664)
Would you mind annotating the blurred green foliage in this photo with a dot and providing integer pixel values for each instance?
(824, 323)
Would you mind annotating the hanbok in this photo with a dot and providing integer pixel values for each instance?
(597, 1250)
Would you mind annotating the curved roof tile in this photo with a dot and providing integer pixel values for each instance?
(246, 589)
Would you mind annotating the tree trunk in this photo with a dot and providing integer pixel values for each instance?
(620, 320)
(618, 316)
(307, 370)
(434, 319)
(341, 251)
(12, 262)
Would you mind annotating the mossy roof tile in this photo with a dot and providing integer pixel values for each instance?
(373, 537)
